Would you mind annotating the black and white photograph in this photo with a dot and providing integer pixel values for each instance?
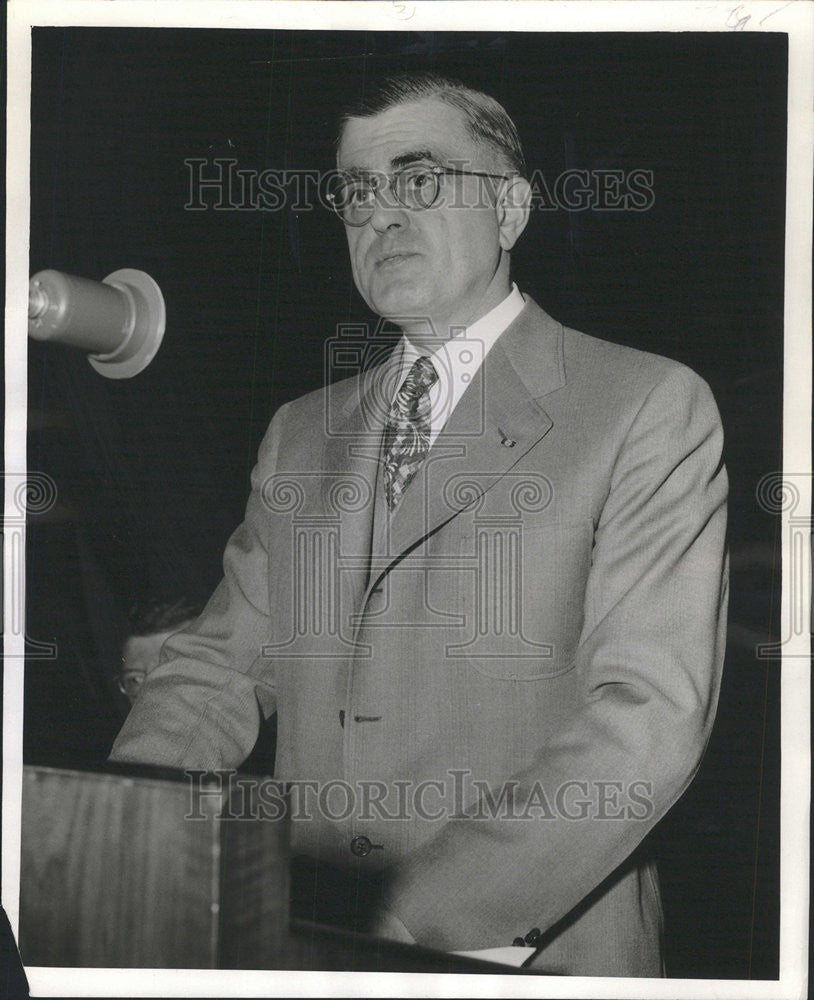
(407, 500)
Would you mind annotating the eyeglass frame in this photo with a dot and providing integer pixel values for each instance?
(435, 169)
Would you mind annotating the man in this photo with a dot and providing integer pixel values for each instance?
(483, 585)
(150, 624)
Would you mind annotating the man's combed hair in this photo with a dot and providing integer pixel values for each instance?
(150, 616)
(486, 119)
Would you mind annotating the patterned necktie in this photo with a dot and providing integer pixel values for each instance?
(407, 431)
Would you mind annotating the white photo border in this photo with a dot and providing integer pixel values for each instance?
(795, 18)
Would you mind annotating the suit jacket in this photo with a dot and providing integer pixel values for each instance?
(499, 690)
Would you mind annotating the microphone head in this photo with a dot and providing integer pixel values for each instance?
(149, 321)
(119, 321)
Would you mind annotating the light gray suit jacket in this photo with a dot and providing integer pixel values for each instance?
(501, 688)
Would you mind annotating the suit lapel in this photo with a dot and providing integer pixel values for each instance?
(497, 421)
(355, 422)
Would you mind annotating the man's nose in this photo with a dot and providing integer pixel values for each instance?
(388, 212)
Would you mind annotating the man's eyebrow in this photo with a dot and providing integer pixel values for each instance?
(414, 156)
(397, 162)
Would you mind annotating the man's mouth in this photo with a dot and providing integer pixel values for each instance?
(394, 259)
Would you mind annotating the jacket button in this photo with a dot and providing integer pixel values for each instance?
(533, 936)
(519, 942)
(361, 847)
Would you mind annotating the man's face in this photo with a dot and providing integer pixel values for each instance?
(442, 262)
(140, 656)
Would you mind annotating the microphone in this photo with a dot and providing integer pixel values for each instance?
(120, 320)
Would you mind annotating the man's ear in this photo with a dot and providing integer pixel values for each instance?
(513, 207)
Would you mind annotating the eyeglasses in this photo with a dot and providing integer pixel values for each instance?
(415, 187)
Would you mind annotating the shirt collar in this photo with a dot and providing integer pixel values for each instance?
(486, 330)
(459, 359)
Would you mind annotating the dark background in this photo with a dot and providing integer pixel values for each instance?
(152, 473)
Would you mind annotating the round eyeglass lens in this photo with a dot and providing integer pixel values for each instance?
(352, 197)
(417, 187)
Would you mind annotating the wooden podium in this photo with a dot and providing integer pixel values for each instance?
(123, 869)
